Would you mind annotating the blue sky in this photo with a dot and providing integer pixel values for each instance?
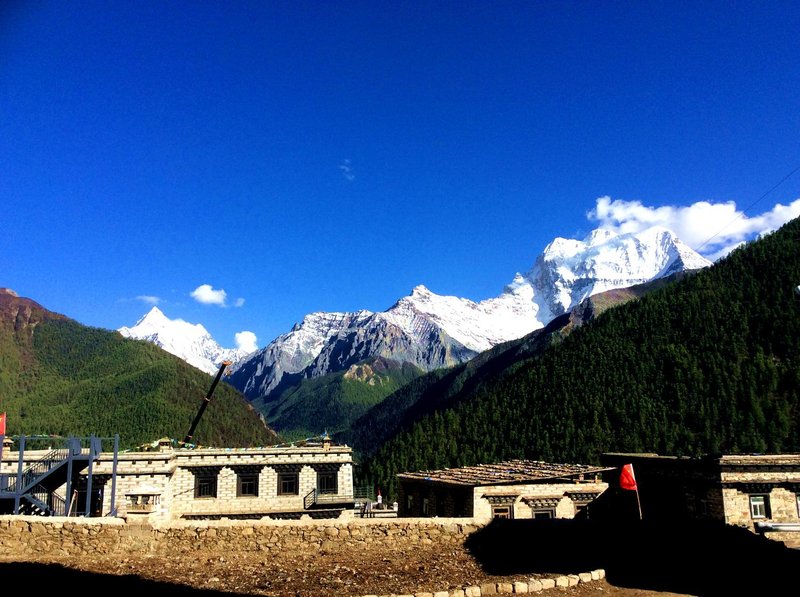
(307, 156)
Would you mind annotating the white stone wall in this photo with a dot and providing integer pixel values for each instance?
(565, 508)
(782, 501)
(169, 473)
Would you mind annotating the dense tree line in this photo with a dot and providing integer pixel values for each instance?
(334, 401)
(64, 378)
(708, 364)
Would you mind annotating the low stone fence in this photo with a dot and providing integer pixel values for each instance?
(34, 535)
(26, 537)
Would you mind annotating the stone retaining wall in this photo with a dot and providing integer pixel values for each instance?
(34, 535)
(27, 536)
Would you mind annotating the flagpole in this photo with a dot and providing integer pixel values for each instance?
(639, 502)
(627, 480)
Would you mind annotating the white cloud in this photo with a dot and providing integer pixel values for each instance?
(239, 302)
(207, 295)
(150, 300)
(713, 229)
(246, 341)
(346, 168)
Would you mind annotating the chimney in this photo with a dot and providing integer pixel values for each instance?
(326, 442)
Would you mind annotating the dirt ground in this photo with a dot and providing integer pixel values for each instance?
(344, 573)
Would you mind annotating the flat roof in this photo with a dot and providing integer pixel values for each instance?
(791, 459)
(504, 473)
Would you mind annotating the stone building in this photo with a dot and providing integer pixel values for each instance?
(746, 490)
(212, 483)
(513, 489)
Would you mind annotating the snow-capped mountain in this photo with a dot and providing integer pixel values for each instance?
(188, 341)
(432, 331)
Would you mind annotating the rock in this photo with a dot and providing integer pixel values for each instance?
(573, 579)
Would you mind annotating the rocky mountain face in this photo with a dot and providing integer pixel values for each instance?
(190, 342)
(19, 316)
(433, 331)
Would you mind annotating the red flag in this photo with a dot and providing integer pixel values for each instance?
(626, 478)
(2, 423)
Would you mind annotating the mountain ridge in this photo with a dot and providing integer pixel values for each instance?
(432, 331)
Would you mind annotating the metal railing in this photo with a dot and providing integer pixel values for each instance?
(310, 499)
(39, 468)
(315, 497)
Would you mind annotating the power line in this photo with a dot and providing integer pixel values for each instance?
(746, 209)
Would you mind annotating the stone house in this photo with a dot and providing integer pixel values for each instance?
(512, 489)
(747, 490)
(213, 483)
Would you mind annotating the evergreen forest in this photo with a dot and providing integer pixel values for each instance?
(58, 377)
(707, 364)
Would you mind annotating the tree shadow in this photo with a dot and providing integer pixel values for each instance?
(697, 557)
(57, 579)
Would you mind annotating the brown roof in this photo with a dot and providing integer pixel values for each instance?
(504, 473)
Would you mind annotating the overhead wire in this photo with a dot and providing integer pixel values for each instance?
(746, 209)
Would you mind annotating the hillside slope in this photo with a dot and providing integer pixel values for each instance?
(709, 364)
(334, 401)
(445, 388)
(59, 377)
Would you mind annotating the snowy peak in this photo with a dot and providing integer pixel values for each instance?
(430, 330)
(188, 341)
(568, 271)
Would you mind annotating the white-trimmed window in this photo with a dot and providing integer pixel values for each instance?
(288, 484)
(759, 506)
(504, 511)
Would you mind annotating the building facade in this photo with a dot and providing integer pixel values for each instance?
(746, 490)
(169, 484)
(512, 489)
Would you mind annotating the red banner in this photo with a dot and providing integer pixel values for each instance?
(626, 478)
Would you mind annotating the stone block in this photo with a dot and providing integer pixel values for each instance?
(457, 593)
(585, 576)
(488, 589)
(472, 592)
(534, 585)
(520, 587)
(595, 575)
(441, 594)
(505, 587)
(424, 594)
(601, 573)
(548, 583)
(573, 579)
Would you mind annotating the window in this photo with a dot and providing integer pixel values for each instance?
(543, 514)
(205, 485)
(247, 485)
(502, 512)
(327, 482)
(425, 506)
(798, 505)
(410, 503)
(287, 484)
(759, 506)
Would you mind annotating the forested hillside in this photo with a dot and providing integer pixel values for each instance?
(709, 364)
(334, 401)
(59, 377)
(445, 388)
